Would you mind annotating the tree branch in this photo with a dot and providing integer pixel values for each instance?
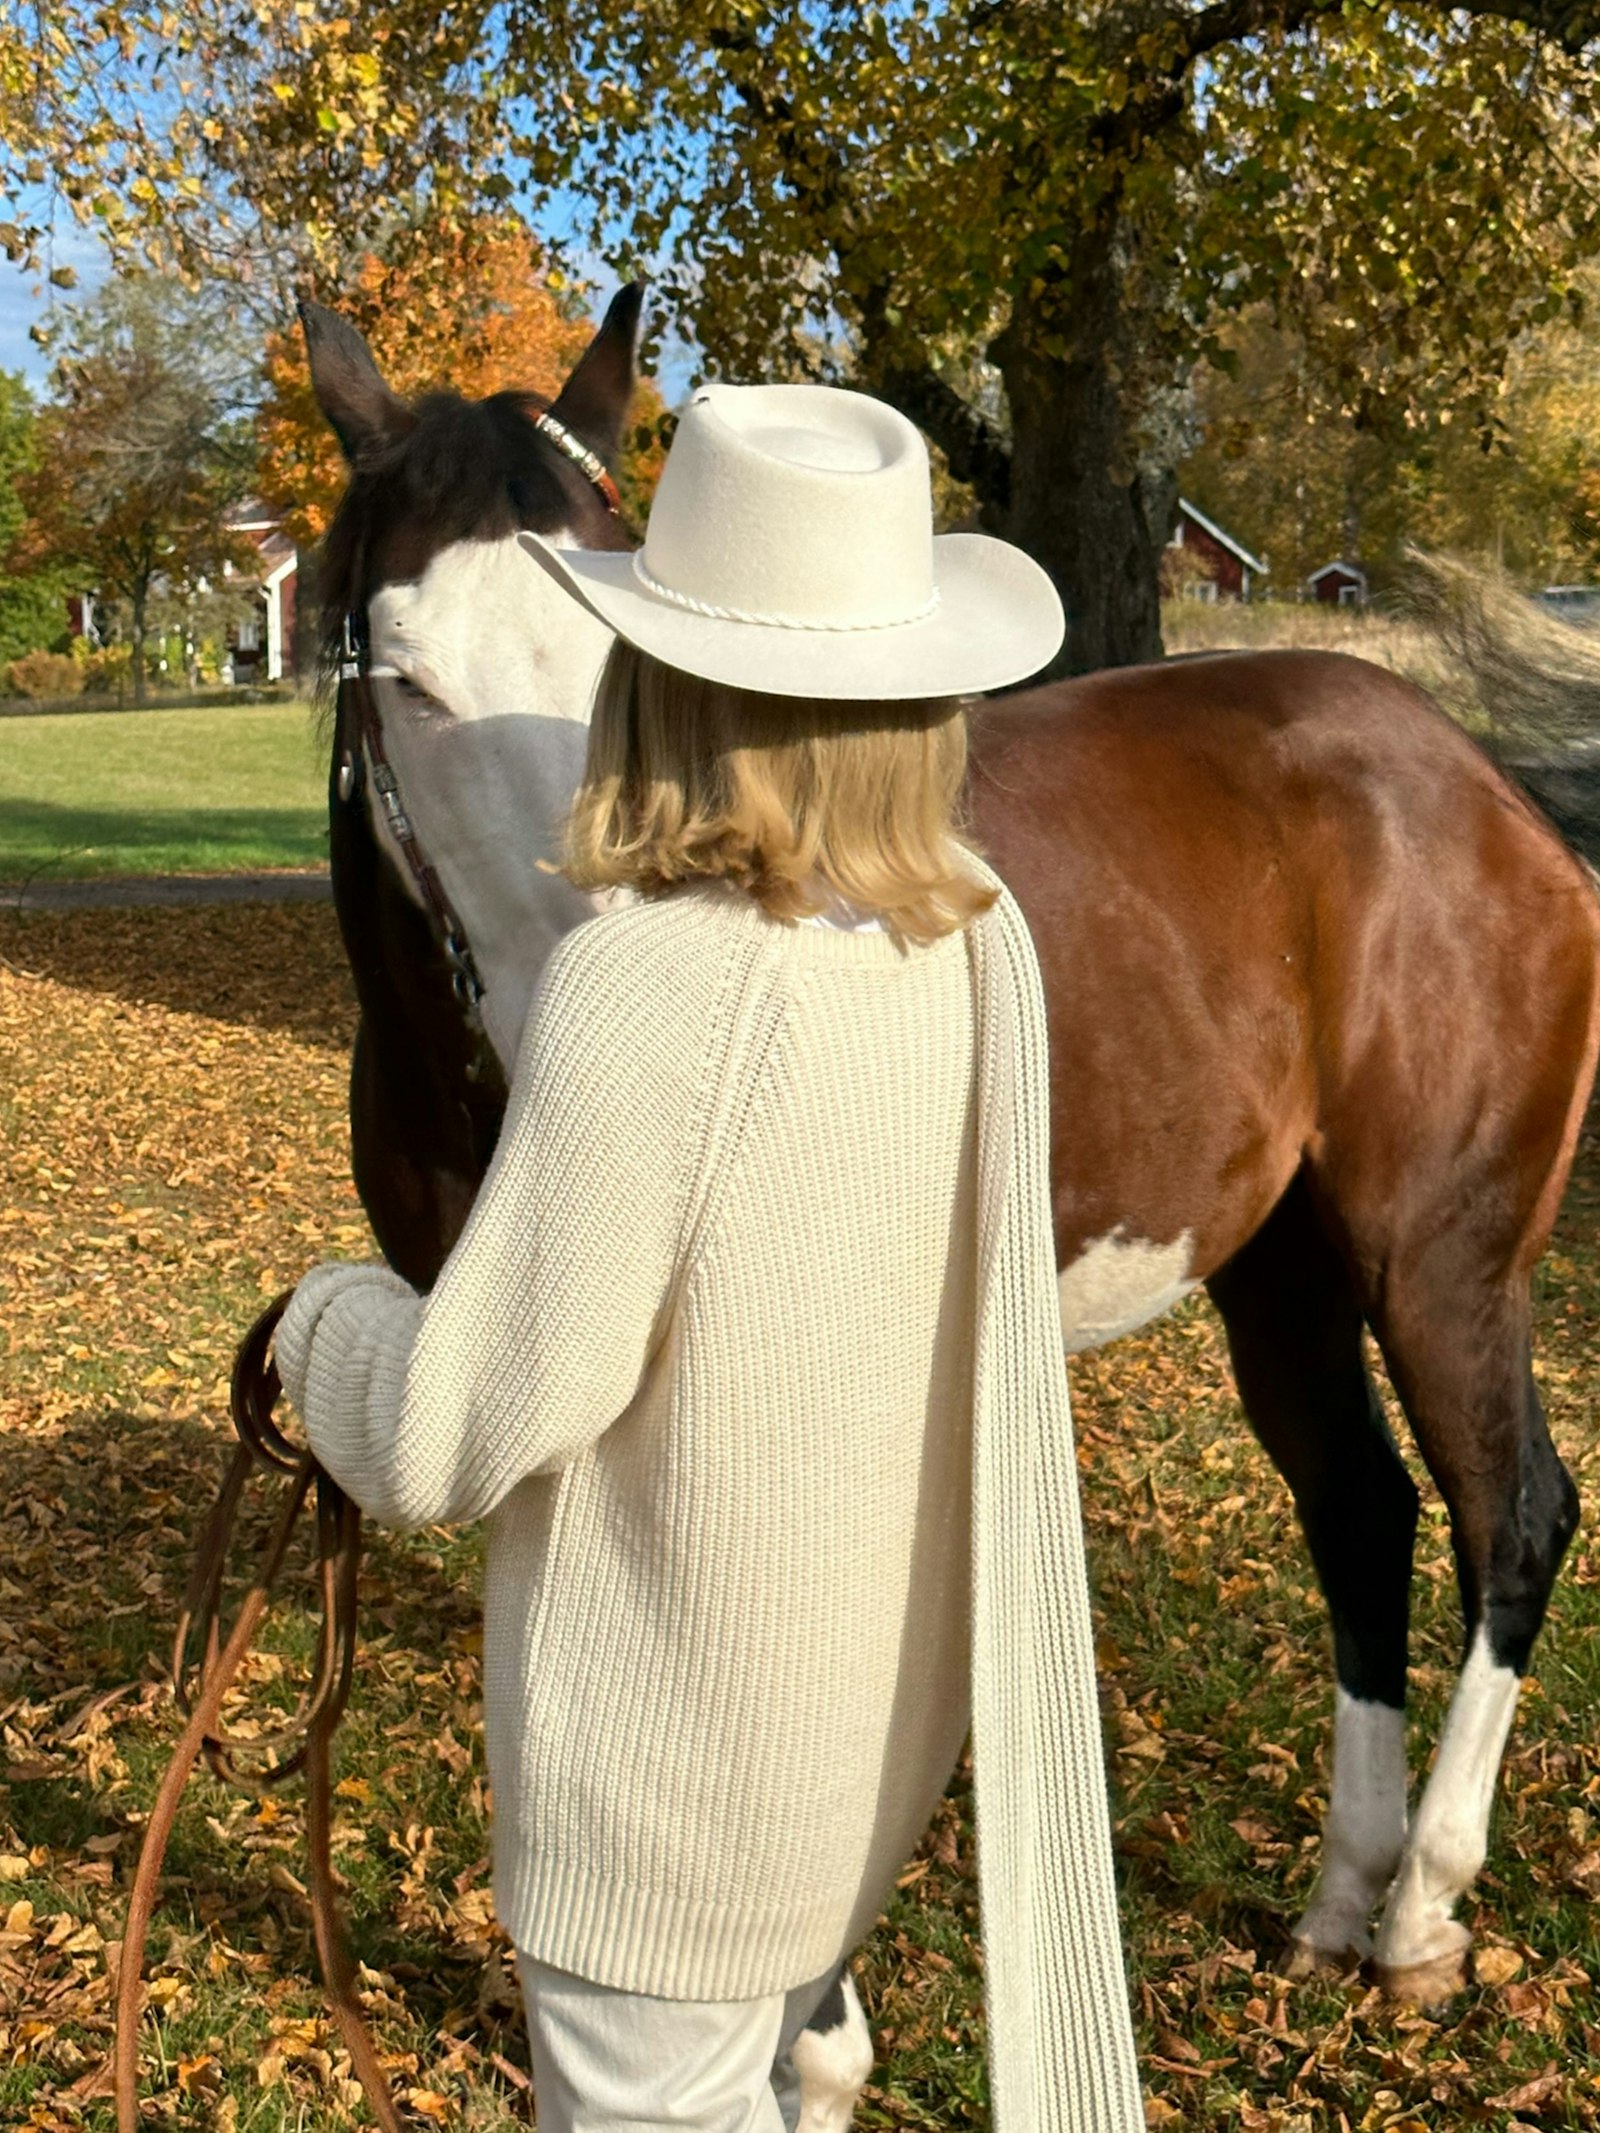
(972, 448)
(900, 371)
(1155, 89)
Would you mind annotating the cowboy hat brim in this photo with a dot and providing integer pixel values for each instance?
(997, 620)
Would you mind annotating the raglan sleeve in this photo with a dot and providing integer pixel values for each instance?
(538, 1333)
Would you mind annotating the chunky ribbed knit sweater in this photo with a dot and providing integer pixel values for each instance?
(767, 1233)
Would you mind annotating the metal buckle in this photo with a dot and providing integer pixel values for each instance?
(465, 982)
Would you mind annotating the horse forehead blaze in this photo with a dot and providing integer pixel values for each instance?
(483, 632)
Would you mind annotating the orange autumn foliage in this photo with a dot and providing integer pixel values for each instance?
(483, 316)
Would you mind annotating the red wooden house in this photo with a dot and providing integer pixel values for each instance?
(1339, 585)
(1216, 566)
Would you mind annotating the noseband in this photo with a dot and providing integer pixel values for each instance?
(356, 675)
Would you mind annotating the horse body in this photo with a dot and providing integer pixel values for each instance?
(1322, 991)
(1323, 1001)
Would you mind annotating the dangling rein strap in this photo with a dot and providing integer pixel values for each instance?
(303, 1743)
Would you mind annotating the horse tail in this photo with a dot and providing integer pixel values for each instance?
(1532, 684)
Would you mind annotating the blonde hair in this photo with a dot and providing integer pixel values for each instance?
(687, 780)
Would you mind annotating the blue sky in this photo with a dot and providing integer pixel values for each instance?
(25, 299)
(26, 296)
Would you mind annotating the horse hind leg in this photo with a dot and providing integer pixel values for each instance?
(819, 2080)
(1458, 1352)
(1295, 1333)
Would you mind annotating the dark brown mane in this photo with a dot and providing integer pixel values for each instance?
(460, 470)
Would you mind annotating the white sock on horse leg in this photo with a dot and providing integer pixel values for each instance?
(1364, 1834)
(833, 2065)
(1450, 1832)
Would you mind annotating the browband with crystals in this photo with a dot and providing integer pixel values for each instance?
(579, 453)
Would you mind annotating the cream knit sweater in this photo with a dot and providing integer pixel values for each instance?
(749, 1355)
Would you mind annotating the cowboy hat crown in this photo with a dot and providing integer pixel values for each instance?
(791, 550)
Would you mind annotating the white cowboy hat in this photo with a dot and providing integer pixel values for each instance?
(791, 550)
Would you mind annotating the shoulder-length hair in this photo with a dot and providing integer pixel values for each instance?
(687, 780)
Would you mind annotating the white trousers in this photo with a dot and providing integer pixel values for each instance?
(621, 2062)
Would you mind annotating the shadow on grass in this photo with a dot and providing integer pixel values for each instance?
(48, 840)
(269, 966)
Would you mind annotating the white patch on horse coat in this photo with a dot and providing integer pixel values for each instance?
(490, 751)
(1365, 1830)
(1117, 1283)
(833, 2065)
(1450, 1831)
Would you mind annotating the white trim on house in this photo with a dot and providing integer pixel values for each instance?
(1349, 570)
(272, 586)
(1208, 525)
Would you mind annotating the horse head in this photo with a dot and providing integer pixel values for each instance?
(459, 736)
(481, 671)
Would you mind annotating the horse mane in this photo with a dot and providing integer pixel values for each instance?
(460, 470)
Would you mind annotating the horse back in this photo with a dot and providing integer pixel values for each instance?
(1285, 908)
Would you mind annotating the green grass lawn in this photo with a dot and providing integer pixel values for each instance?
(161, 792)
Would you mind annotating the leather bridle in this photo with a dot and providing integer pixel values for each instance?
(304, 1741)
(365, 755)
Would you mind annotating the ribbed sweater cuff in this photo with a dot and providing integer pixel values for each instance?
(649, 1940)
(297, 1329)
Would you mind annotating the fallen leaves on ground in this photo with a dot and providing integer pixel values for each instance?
(172, 1150)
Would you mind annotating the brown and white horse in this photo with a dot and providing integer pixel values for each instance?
(1324, 1017)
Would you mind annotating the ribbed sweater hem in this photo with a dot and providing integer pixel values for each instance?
(653, 1941)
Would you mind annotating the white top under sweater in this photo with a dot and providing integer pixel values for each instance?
(749, 1354)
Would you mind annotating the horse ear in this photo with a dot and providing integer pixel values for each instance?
(595, 400)
(361, 410)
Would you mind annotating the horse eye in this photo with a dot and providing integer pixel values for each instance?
(413, 691)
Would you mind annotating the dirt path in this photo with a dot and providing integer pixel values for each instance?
(139, 891)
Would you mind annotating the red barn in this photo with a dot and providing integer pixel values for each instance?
(1214, 565)
(1339, 585)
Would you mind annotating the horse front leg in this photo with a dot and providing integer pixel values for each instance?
(1294, 1330)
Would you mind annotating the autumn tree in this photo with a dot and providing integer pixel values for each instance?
(139, 453)
(32, 609)
(1500, 474)
(1020, 221)
(1087, 196)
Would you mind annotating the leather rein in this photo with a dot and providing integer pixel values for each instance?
(205, 1659)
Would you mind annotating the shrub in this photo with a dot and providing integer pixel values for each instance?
(106, 671)
(44, 674)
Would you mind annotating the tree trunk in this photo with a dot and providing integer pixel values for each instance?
(303, 637)
(1082, 502)
(141, 594)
